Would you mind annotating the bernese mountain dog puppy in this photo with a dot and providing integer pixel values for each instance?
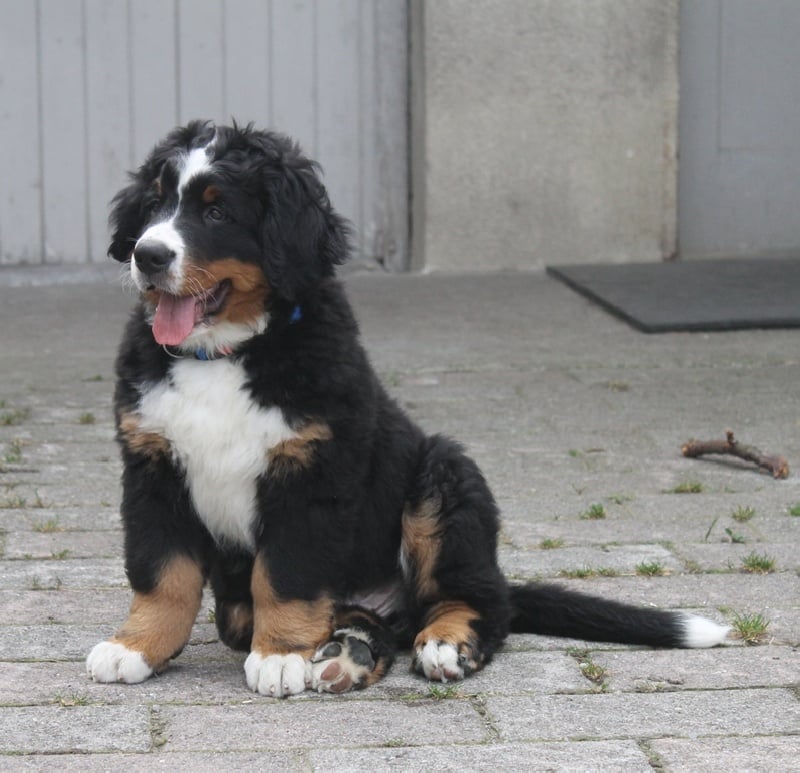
(262, 455)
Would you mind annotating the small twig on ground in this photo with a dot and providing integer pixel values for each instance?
(777, 466)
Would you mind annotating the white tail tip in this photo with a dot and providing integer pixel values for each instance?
(700, 632)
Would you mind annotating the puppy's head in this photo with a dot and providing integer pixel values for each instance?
(220, 224)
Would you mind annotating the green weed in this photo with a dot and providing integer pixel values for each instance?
(594, 512)
(758, 563)
(650, 569)
(585, 572)
(47, 527)
(750, 628)
(13, 453)
(13, 417)
(592, 671)
(736, 538)
(687, 487)
(442, 692)
(743, 514)
(551, 544)
(70, 699)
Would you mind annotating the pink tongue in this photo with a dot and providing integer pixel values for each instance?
(174, 320)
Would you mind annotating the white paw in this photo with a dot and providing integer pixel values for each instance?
(277, 676)
(111, 661)
(439, 662)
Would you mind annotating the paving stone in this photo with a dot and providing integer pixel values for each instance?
(715, 669)
(68, 574)
(737, 591)
(214, 682)
(64, 519)
(50, 642)
(731, 557)
(204, 762)
(584, 756)
(271, 724)
(77, 729)
(56, 641)
(70, 607)
(721, 755)
(563, 407)
(609, 716)
(72, 544)
(646, 518)
(622, 559)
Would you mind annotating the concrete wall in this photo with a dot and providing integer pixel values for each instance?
(543, 131)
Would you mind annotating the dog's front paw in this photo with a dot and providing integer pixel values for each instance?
(111, 661)
(277, 676)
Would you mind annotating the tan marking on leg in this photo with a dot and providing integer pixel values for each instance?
(240, 616)
(160, 622)
(238, 623)
(140, 442)
(448, 622)
(282, 627)
(375, 675)
(420, 544)
(296, 454)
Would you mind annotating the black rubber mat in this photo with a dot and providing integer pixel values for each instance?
(726, 294)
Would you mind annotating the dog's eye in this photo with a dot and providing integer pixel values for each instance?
(214, 213)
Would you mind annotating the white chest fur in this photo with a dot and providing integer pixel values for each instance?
(219, 436)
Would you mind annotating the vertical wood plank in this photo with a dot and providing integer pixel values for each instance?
(20, 195)
(108, 114)
(63, 123)
(246, 57)
(88, 86)
(390, 154)
(369, 207)
(153, 66)
(338, 123)
(200, 60)
(293, 83)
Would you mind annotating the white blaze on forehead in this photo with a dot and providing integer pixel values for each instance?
(197, 162)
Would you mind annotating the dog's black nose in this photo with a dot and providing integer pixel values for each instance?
(152, 257)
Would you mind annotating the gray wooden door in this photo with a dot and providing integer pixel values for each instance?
(88, 86)
(739, 136)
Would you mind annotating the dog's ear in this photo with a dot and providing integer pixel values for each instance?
(129, 214)
(303, 238)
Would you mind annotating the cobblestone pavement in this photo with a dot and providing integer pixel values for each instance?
(570, 414)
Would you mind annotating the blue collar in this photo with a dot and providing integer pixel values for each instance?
(226, 351)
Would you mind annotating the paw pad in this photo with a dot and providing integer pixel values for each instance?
(342, 664)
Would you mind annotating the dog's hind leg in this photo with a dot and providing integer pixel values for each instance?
(359, 653)
(233, 610)
(459, 599)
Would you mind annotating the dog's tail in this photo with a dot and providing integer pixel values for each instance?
(557, 611)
